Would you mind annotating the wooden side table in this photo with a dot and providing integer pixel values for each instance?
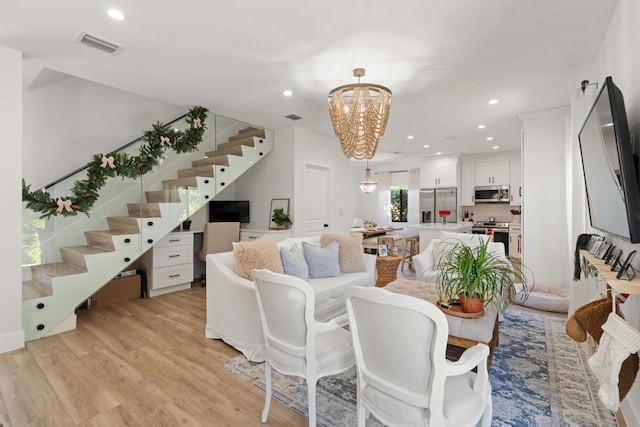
(387, 268)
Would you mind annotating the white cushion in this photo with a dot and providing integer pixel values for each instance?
(544, 297)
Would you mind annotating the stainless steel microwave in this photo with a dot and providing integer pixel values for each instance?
(491, 194)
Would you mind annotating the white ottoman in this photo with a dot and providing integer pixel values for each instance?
(545, 297)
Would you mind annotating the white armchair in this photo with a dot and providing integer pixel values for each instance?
(420, 387)
(296, 343)
(426, 261)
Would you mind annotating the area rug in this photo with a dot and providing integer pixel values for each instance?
(539, 377)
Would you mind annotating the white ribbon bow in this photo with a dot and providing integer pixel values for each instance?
(196, 123)
(64, 205)
(107, 161)
(164, 140)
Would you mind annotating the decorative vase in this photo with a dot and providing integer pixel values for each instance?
(444, 219)
(186, 224)
(470, 304)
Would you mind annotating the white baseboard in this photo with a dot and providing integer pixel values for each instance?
(12, 341)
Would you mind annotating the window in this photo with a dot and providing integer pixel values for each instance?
(399, 203)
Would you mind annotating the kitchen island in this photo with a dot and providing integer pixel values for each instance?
(432, 230)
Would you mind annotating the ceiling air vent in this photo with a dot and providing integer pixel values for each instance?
(293, 117)
(96, 42)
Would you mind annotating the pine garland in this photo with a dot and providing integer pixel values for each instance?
(85, 192)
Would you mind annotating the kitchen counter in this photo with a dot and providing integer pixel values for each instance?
(431, 231)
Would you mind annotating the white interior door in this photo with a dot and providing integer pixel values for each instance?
(317, 201)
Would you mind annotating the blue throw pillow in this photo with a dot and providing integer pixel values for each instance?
(293, 261)
(322, 262)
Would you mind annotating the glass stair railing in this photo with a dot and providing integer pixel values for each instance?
(66, 259)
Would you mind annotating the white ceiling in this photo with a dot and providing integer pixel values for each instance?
(443, 60)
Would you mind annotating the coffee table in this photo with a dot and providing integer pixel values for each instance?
(463, 332)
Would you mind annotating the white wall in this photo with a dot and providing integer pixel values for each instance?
(619, 58)
(545, 248)
(316, 150)
(11, 333)
(270, 178)
(69, 121)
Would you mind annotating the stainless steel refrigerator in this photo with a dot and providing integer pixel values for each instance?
(434, 200)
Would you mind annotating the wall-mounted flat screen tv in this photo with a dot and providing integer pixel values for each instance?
(229, 211)
(609, 166)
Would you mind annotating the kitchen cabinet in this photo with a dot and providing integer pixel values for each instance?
(169, 264)
(467, 183)
(515, 181)
(435, 176)
(492, 173)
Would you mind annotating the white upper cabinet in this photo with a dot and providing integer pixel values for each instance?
(435, 176)
(515, 181)
(467, 183)
(492, 173)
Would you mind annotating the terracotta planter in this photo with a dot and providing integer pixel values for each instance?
(281, 227)
(470, 304)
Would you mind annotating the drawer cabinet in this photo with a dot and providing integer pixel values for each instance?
(169, 264)
(277, 235)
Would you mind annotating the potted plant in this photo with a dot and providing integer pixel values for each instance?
(475, 276)
(280, 218)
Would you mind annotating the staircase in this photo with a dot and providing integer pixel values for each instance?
(151, 208)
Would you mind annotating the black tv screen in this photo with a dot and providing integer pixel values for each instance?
(609, 166)
(229, 211)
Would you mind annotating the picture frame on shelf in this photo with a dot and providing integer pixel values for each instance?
(627, 272)
(277, 204)
(602, 250)
(608, 256)
(616, 260)
(383, 250)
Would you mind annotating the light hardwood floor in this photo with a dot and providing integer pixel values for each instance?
(144, 362)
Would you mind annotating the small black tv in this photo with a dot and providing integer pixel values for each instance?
(229, 211)
(610, 166)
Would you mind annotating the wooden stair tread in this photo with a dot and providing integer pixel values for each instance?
(180, 182)
(197, 171)
(32, 289)
(248, 132)
(162, 196)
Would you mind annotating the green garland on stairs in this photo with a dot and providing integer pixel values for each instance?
(85, 191)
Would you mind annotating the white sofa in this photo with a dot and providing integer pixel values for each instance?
(232, 309)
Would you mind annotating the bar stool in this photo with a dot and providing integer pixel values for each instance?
(410, 246)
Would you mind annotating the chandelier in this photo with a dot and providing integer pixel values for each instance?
(359, 114)
(368, 185)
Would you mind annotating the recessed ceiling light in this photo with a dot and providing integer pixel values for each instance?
(489, 138)
(410, 137)
(426, 146)
(493, 101)
(115, 14)
(481, 126)
(495, 147)
(287, 93)
(439, 152)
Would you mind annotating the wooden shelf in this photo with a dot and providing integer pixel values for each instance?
(619, 285)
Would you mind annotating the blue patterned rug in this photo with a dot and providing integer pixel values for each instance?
(539, 377)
